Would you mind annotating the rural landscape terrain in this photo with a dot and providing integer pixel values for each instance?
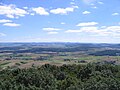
(59, 66)
(26, 55)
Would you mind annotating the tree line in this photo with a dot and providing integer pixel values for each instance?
(65, 77)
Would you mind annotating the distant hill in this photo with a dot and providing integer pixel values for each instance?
(107, 52)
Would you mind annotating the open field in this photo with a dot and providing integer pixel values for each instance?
(12, 64)
(26, 55)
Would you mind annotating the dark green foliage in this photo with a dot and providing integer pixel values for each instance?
(66, 77)
(106, 52)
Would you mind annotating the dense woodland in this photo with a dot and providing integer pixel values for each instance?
(65, 77)
(107, 52)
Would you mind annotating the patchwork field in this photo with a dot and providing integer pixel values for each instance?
(12, 64)
(19, 55)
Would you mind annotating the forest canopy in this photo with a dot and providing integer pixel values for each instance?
(65, 77)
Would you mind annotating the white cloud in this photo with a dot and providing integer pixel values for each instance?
(11, 24)
(5, 21)
(95, 7)
(113, 28)
(51, 29)
(10, 16)
(100, 2)
(25, 7)
(114, 14)
(86, 12)
(62, 23)
(87, 24)
(84, 29)
(103, 26)
(52, 32)
(2, 34)
(92, 4)
(73, 31)
(40, 11)
(113, 31)
(32, 14)
(72, 3)
(63, 11)
(89, 1)
(11, 11)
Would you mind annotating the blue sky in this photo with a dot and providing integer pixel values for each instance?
(85, 21)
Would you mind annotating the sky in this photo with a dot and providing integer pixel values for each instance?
(84, 21)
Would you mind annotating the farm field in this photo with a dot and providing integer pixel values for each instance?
(54, 61)
(19, 55)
